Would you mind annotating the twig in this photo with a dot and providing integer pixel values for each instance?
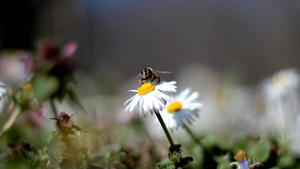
(54, 110)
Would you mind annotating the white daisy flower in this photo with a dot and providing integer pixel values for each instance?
(3, 90)
(282, 83)
(150, 98)
(182, 109)
(281, 95)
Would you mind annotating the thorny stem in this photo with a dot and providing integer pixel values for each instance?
(54, 110)
(161, 121)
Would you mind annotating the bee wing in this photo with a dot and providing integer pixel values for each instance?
(167, 72)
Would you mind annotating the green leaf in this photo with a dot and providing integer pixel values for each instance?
(44, 86)
(79, 129)
(165, 164)
(223, 162)
(286, 161)
(260, 150)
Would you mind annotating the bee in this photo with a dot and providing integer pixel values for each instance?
(149, 75)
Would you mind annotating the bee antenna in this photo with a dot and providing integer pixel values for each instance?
(137, 75)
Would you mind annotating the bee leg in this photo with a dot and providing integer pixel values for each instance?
(158, 80)
(141, 81)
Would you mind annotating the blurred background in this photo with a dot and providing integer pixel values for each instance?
(255, 38)
(225, 50)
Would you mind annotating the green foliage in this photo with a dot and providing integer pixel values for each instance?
(223, 162)
(260, 150)
(44, 86)
(176, 157)
(286, 161)
(165, 164)
(109, 156)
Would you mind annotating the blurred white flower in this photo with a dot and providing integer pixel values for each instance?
(3, 100)
(150, 98)
(154, 129)
(227, 103)
(12, 68)
(282, 101)
(294, 145)
(2, 89)
(282, 83)
(182, 109)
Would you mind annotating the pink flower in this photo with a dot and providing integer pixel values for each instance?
(65, 124)
(34, 117)
(70, 48)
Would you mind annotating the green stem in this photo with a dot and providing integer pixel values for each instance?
(197, 140)
(16, 111)
(233, 164)
(54, 110)
(69, 149)
(162, 123)
(191, 134)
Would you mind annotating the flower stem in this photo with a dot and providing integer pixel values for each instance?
(197, 140)
(163, 125)
(191, 134)
(69, 149)
(54, 110)
(15, 113)
(281, 127)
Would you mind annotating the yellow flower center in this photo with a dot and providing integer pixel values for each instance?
(146, 88)
(174, 107)
(240, 156)
(279, 82)
(27, 86)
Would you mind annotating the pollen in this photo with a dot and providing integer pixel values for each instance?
(174, 107)
(27, 86)
(240, 156)
(146, 88)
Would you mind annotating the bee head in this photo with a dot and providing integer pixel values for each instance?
(146, 72)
